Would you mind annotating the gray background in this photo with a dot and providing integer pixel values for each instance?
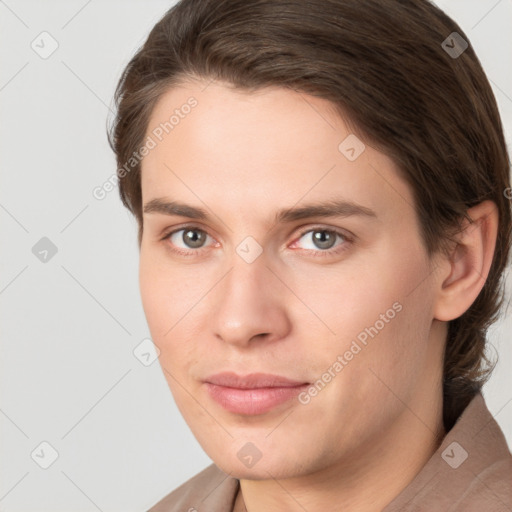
(69, 376)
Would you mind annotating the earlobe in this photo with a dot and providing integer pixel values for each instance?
(469, 263)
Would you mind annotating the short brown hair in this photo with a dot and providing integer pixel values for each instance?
(385, 68)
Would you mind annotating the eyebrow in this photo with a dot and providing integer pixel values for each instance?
(332, 208)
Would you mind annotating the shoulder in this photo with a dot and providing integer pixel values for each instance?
(211, 490)
(471, 471)
(489, 490)
(481, 467)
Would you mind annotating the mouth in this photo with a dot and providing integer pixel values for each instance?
(253, 394)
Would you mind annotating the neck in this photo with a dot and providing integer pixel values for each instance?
(379, 474)
(373, 476)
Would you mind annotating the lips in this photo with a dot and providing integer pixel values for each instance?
(252, 394)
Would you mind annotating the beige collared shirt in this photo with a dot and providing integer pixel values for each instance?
(471, 471)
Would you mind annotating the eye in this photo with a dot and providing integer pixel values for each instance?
(320, 241)
(186, 239)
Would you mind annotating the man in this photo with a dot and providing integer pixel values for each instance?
(321, 192)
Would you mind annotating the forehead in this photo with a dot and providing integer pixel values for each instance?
(269, 116)
(273, 145)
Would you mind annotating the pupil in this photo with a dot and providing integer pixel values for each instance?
(193, 238)
(324, 239)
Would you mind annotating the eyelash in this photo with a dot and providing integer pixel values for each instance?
(347, 240)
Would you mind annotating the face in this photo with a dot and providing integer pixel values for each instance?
(292, 337)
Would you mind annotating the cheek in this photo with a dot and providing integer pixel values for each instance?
(167, 293)
(389, 329)
(381, 303)
(152, 292)
(170, 298)
(352, 297)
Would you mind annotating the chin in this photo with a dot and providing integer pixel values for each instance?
(260, 471)
(269, 464)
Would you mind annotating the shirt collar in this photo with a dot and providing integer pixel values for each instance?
(455, 470)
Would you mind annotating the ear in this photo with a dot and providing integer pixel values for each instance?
(465, 270)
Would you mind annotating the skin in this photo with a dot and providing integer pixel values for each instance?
(243, 156)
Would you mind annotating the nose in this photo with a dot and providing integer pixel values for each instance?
(250, 305)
